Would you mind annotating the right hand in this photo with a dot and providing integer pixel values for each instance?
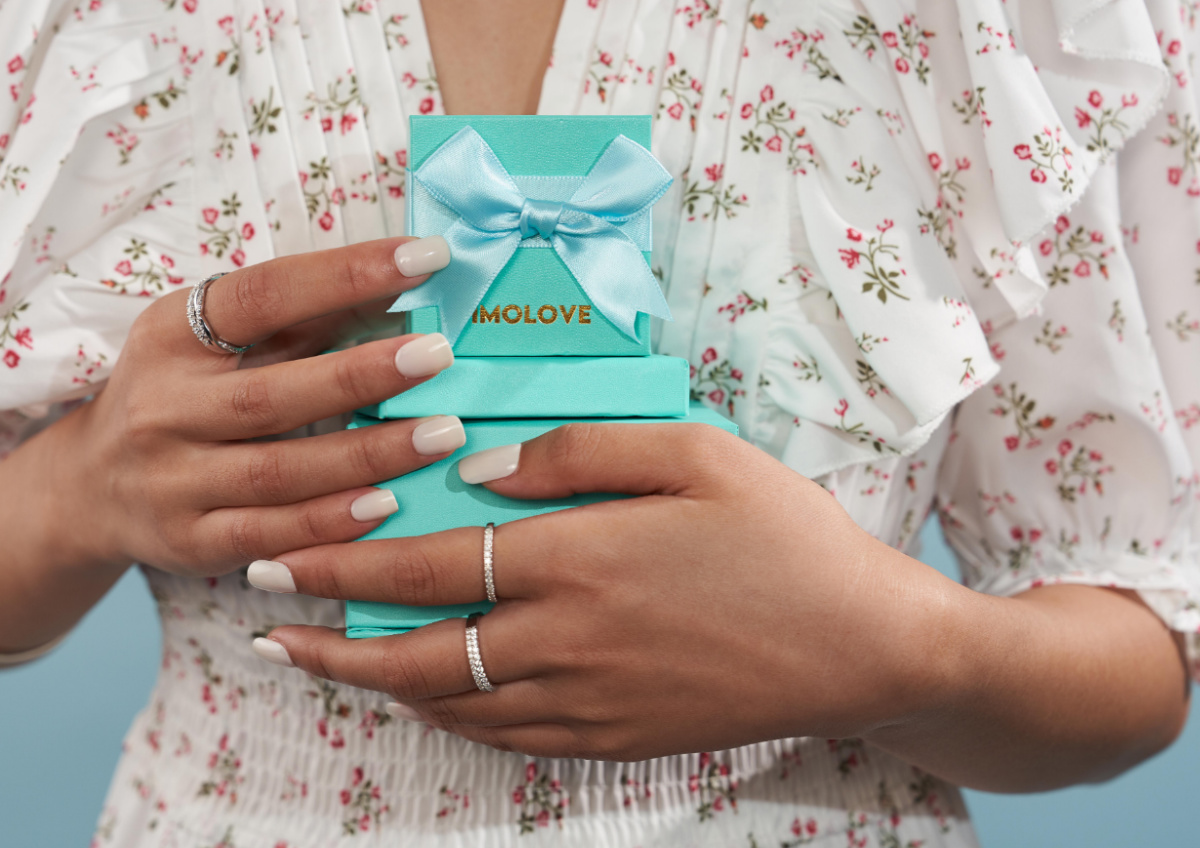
(159, 466)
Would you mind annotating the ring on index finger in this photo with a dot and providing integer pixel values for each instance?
(199, 324)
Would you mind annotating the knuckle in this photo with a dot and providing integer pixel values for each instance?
(369, 455)
(244, 535)
(416, 580)
(252, 402)
(402, 675)
(441, 712)
(357, 277)
(268, 479)
(493, 738)
(349, 380)
(251, 297)
(573, 445)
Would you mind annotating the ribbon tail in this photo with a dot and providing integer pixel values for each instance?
(476, 257)
(614, 275)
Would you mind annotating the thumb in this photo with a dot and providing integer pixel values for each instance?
(633, 459)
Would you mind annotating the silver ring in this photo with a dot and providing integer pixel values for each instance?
(489, 581)
(199, 324)
(481, 679)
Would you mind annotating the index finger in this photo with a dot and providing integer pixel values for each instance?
(252, 303)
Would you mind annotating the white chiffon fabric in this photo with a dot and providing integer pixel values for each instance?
(929, 253)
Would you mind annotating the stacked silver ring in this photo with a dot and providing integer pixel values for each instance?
(489, 581)
(481, 679)
(199, 324)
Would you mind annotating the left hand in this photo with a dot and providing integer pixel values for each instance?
(732, 601)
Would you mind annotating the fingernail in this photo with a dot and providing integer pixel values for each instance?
(442, 434)
(402, 712)
(271, 576)
(272, 651)
(491, 464)
(424, 355)
(374, 505)
(423, 256)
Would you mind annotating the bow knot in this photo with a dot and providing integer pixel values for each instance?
(589, 231)
(539, 217)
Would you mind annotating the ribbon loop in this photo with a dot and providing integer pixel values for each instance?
(467, 177)
(539, 217)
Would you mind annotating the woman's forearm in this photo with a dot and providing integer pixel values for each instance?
(1061, 685)
(51, 572)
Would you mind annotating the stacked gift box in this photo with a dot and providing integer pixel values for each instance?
(540, 317)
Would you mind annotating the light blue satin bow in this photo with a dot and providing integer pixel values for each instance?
(465, 175)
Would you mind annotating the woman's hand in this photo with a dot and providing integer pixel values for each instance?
(735, 601)
(165, 465)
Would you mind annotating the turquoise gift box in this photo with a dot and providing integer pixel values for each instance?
(546, 300)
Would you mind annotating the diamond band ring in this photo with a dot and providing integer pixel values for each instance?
(199, 324)
(489, 581)
(481, 679)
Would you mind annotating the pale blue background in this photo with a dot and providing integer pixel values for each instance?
(62, 719)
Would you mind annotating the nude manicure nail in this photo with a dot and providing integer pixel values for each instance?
(402, 712)
(374, 505)
(272, 651)
(490, 464)
(424, 355)
(423, 256)
(271, 576)
(441, 434)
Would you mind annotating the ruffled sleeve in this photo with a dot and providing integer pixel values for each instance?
(1077, 463)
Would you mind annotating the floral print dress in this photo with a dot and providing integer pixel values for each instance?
(933, 254)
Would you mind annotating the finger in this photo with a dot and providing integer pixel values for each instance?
(293, 470)
(252, 303)
(238, 535)
(325, 333)
(434, 570)
(518, 702)
(635, 459)
(428, 662)
(277, 398)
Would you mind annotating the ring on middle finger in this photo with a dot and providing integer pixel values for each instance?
(489, 581)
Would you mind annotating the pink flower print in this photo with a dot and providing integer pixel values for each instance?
(402, 158)
(1037, 176)
(530, 772)
(1097, 236)
(247, 231)
(1062, 224)
(717, 395)
(1051, 466)
(124, 267)
(24, 337)
(338, 196)
(1083, 269)
(426, 106)
(889, 38)
(345, 797)
(347, 123)
(356, 776)
(963, 164)
(710, 355)
(1082, 118)
(543, 818)
(747, 110)
(767, 93)
(850, 257)
(1064, 447)
(4, 141)
(1174, 175)
(935, 161)
(606, 59)
(11, 358)
(238, 257)
(326, 221)
(408, 79)
(1128, 100)
(1095, 100)
(1017, 533)
(210, 215)
(735, 373)
(902, 65)
(189, 6)
(15, 64)
(1023, 151)
(1012, 442)
(327, 124)
(1173, 48)
(395, 191)
(1046, 247)
(855, 235)
(774, 144)
(843, 406)
(675, 111)
(518, 795)
(714, 172)
(167, 261)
